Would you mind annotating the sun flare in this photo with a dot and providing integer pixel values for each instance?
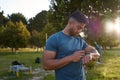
(113, 26)
(117, 25)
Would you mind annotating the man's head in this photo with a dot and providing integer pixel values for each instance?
(77, 22)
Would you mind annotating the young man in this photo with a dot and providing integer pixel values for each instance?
(66, 53)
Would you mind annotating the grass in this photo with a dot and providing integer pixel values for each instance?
(108, 70)
(49, 77)
(27, 58)
(21, 49)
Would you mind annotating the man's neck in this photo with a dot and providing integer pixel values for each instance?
(66, 31)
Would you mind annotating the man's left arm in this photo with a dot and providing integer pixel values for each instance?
(91, 54)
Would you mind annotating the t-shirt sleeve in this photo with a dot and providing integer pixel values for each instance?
(51, 44)
(85, 44)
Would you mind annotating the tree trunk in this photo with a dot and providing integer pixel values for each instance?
(12, 49)
(104, 48)
(16, 49)
(37, 49)
(110, 47)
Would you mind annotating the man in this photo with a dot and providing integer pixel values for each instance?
(65, 52)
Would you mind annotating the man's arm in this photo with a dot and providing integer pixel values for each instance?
(50, 63)
(91, 54)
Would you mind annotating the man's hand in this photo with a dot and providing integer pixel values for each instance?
(86, 59)
(93, 52)
(76, 56)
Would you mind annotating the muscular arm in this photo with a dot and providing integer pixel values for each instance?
(50, 63)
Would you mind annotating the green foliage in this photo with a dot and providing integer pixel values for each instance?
(91, 65)
(3, 19)
(47, 31)
(38, 22)
(1, 33)
(38, 39)
(17, 17)
(35, 39)
(15, 35)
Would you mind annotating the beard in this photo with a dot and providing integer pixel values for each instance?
(72, 33)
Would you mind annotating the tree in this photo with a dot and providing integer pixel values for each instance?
(38, 39)
(47, 31)
(35, 39)
(15, 35)
(3, 19)
(17, 17)
(38, 22)
(1, 40)
(60, 9)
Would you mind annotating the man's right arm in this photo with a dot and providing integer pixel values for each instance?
(50, 63)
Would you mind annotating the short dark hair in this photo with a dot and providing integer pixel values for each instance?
(80, 17)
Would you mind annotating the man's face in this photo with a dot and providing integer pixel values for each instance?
(76, 28)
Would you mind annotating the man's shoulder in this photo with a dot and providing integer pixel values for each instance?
(81, 39)
(54, 36)
(57, 33)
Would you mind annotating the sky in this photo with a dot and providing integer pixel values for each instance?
(29, 8)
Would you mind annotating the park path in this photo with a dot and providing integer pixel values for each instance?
(39, 73)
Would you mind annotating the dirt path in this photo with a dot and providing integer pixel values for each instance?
(39, 73)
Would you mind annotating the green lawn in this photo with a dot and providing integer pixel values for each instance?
(108, 70)
(27, 58)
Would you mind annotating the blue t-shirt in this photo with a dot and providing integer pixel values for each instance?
(65, 45)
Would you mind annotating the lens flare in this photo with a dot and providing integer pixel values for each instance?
(113, 26)
(117, 26)
(109, 27)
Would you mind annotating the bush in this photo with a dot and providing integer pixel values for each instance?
(91, 64)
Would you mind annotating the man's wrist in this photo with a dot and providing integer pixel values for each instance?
(69, 58)
(94, 56)
(91, 56)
